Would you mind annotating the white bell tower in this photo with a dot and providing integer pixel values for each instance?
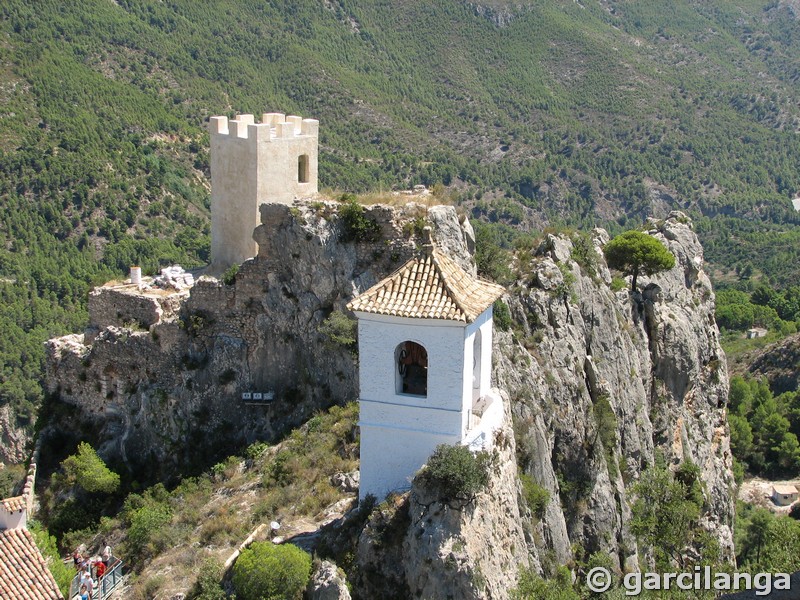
(425, 340)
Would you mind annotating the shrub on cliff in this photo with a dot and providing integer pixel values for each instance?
(634, 253)
(456, 472)
(265, 570)
(356, 226)
(535, 495)
(340, 330)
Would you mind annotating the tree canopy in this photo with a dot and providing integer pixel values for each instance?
(634, 253)
(266, 571)
(89, 471)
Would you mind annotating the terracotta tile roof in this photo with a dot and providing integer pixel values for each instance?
(23, 570)
(431, 286)
(14, 504)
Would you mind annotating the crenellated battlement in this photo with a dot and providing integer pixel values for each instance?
(252, 164)
(273, 126)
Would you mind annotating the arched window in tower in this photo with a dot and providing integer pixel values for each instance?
(412, 369)
(302, 169)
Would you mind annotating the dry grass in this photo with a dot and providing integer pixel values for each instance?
(213, 514)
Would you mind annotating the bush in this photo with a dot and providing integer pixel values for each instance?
(88, 470)
(533, 587)
(340, 329)
(146, 526)
(536, 496)
(456, 472)
(229, 276)
(207, 585)
(501, 315)
(267, 571)
(607, 431)
(356, 227)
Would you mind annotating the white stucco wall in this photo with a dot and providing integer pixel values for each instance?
(379, 336)
(391, 457)
(253, 163)
(13, 520)
(483, 324)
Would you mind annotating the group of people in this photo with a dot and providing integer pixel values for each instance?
(91, 569)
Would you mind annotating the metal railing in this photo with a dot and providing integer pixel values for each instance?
(110, 580)
(105, 585)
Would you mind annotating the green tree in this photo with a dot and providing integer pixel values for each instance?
(265, 571)
(665, 514)
(758, 534)
(88, 470)
(634, 253)
(741, 436)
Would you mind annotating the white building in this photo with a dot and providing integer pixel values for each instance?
(253, 163)
(13, 513)
(784, 495)
(425, 340)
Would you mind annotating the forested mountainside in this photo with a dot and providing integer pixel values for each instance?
(533, 113)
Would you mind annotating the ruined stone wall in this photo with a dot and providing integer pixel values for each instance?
(128, 305)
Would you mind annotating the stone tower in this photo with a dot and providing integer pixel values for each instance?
(253, 163)
(425, 359)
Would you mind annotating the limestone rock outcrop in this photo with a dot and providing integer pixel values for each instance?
(327, 583)
(13, 440)
(654, 358)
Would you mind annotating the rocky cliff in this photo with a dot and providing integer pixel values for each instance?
(779, 363)
(13, 440)
(577, 349)
(598, 382)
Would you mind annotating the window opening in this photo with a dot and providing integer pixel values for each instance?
(302, 168)
(412, 368)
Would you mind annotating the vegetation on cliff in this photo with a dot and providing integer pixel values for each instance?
(635, 253)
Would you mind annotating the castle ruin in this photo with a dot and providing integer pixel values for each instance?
(252, 164)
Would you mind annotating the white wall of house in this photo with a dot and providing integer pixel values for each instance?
(13, 519)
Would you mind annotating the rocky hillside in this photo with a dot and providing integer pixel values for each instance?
(653, 357)
(598, 381)
(778, 362)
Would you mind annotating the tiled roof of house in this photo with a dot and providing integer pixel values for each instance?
(786, 490)
(14, 504)
(23, 571)
(431, 286)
